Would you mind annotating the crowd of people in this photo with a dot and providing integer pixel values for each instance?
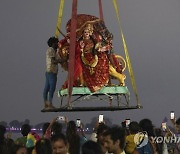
(124, 139)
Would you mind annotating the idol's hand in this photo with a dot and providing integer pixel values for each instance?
(82, 44)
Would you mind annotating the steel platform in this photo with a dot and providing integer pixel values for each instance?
(111, 98)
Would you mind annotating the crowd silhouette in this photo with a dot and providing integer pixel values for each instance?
(129, 138)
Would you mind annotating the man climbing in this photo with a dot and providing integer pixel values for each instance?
(51, 72)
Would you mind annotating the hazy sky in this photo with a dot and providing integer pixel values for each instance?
(151, 29)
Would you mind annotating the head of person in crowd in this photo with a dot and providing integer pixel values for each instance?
(56, 128)
(18, 149)
(159, 133)
(130, 146)
(2, 133)
(44, 127)
(114, 139)
(100, 137)
(25, 129)
(146, 125)
(91, 147)
(32, 138)
(59, 144)
(5, 144)
(123, 124)
(71, 128)
(100, 130)
(43, 146)
(53, 42)
(178, 125)
(134, 127)
(73, 137)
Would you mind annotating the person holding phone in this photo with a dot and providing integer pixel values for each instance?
(93, 136)
(73, 137)
(54, 128)
(100, 137)
(177, 127)
(133, 129)
(147, 126)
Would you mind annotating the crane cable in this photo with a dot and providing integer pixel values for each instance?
(127, 54)
(60, 14)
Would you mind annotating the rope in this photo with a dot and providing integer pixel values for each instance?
(58, 25)
(126, 54)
